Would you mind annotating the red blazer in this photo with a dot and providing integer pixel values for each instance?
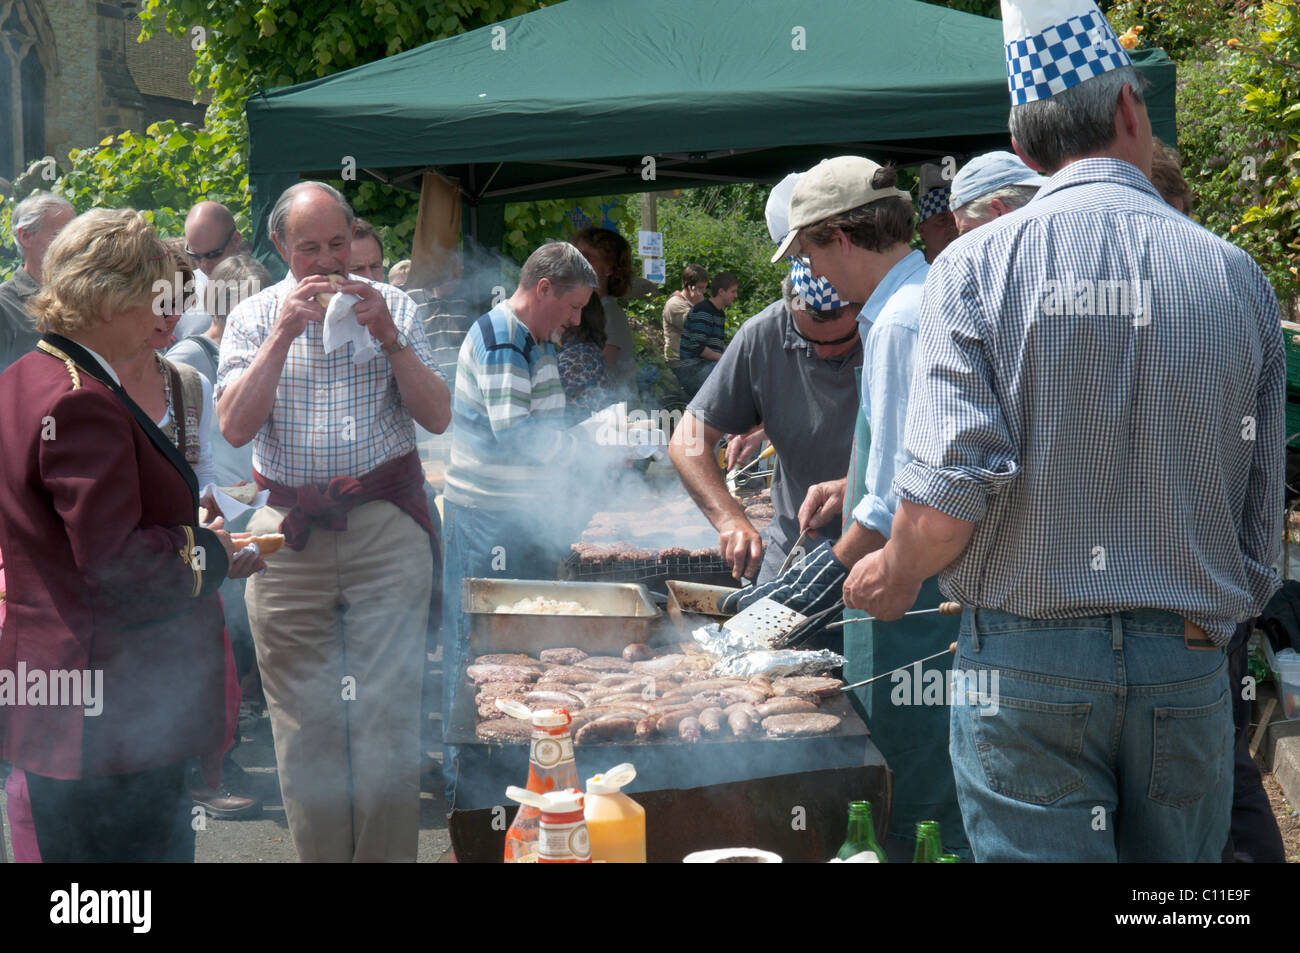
(98, 524)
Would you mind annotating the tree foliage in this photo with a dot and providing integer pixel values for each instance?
(246, 46)
(1238, 118)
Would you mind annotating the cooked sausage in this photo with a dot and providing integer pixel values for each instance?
(784, 706)
(605, 663)
(606, 728)
(638, 652)
(762, 682)
(571, 676)
(744, 693)
(741, 723)
(711, 721)
(553, 699)
(688, 729)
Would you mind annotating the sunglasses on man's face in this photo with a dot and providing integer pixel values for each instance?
(215, 253)
(829, 318)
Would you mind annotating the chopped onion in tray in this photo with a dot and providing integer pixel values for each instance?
(540, 605)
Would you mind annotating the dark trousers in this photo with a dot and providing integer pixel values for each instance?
(1255, 837)
(122, 818)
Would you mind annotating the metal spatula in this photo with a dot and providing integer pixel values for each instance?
(764, 621)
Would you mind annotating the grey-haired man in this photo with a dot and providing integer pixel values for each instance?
(339, 617)
(990, 186)
(35, 222)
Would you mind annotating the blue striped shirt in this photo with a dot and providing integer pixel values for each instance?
(507, 414)
(1099, 387)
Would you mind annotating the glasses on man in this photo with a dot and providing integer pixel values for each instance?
(827, 317)
(210, 255)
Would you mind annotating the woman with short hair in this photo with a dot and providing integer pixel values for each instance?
(111, 581)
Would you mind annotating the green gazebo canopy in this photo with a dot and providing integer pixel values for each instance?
(569, 100)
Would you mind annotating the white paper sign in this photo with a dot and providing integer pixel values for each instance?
(650, 244)
(652, 269)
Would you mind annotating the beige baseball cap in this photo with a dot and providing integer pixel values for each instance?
(830, 187)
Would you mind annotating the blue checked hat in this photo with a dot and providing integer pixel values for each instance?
(932, 203)
(816, 291)
(1052, 45)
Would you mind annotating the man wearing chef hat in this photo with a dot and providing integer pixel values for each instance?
(990, 186)
(854, 226)
(1097, 427)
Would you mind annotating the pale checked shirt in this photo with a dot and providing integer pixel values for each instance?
(331, 417)
(1099, 387)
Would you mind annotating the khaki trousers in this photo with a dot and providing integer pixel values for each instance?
(340, 632)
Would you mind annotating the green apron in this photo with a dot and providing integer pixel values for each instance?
(911, 734)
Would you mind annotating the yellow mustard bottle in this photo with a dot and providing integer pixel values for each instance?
(615, 822)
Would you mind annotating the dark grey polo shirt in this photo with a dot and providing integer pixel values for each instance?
(808, 405)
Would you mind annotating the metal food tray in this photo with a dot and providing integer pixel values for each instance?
(626, 613)
(693, 604)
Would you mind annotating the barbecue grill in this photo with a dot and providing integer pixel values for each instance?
(716, 792)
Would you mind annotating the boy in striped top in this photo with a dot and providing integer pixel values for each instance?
(508, 440)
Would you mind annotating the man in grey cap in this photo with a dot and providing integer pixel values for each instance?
(35, 222)
(989, 186)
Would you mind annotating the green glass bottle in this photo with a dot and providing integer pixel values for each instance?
(862, 833)
(948, 859)
(927, 843)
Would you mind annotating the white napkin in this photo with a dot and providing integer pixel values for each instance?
(341, 327)
(230, 507)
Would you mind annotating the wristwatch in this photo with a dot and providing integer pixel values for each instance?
(399, 343)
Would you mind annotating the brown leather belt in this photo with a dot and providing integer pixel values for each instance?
(1194, 637)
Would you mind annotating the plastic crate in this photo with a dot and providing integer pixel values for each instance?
(1293, 418)
(1286, 673)
(1291, 338)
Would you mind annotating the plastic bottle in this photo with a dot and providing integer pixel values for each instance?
(615, 822)
(550, 768)
(562, 830)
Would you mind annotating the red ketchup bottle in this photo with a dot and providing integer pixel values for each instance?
(550, 768)
(562, 829)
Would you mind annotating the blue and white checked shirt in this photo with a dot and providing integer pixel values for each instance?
(888, 324)
(1099, 387)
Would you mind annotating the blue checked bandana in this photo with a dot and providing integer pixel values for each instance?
(932, 203)
(816, 291)
(1062, 56)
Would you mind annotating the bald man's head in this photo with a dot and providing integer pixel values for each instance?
(210, 235)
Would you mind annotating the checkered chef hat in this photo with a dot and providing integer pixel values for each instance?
(816, 291)
(932, 203)
(1052, 45)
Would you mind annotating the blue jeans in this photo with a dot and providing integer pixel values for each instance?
(1091, 739)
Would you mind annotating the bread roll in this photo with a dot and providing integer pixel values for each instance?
(324, 296)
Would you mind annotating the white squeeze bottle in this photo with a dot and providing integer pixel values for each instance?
(615, 822)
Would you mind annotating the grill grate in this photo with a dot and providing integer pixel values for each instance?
(639, 570)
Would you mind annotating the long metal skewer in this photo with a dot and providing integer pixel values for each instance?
(950, 650)
(943, 608)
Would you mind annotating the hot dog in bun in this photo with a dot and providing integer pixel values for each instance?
(324, 296)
